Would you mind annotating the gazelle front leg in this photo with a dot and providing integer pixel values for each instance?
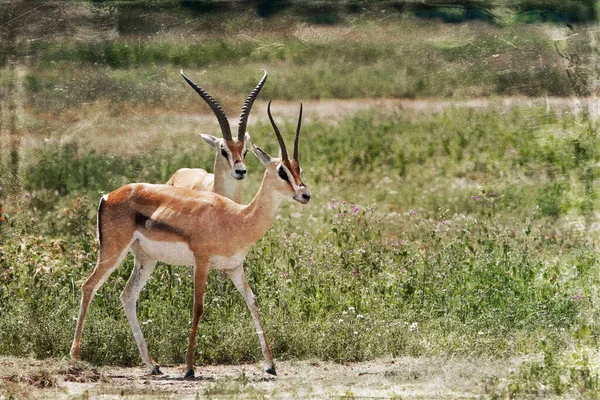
(239, 280)
(143, 267)
(200, 277)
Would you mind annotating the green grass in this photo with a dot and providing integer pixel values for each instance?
(352, 60)
(473, 247)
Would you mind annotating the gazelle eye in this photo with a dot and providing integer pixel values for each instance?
(224, 153)
(283, 175)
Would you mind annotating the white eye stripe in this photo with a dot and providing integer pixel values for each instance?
(291, 180)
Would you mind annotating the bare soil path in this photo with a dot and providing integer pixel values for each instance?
(405, 377)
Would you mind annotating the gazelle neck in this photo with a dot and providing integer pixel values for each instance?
(260, 212)
(224, 183)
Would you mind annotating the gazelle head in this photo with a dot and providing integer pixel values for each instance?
(285, 174)
(231, 152)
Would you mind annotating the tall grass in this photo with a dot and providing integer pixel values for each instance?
(458, 233)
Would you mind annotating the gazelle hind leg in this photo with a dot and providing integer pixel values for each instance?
(239, 280)
(143, 267)
(108, 260)
(200, 277)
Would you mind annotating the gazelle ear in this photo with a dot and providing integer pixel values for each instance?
(211, 140)
(264, 158)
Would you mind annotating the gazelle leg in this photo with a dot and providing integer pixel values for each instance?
(143, 267)
(239, 280)
(109, 259)
(200, 277)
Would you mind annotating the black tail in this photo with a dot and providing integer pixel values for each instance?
(100, 208)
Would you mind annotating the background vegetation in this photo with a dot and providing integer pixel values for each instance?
(456, 230)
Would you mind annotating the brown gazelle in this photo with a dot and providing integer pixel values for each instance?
(185, 227)
(229, 169)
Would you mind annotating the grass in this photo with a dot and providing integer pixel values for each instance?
(470, 245)
(381, 58)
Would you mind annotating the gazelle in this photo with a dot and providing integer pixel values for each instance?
(185, 227)
(229, 169)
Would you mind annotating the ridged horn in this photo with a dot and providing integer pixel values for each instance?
(284, 154)
(297, 134)
(248, 106)
(214, 105)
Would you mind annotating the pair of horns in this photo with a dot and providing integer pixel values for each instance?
(220, 113)
(284, 154)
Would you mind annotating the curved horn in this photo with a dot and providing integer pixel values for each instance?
(284, 154)
(297, 133)
(248, 105)
(216, 107)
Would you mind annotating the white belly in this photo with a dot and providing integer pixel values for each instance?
(175, 253)
(223, 262)
(179, 253)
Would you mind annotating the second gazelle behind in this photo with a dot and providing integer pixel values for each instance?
(185, 227)
(229, 168)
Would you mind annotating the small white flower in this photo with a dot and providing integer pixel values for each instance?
(340, 320)
(413, 326)
(359, 316)
(356, 333)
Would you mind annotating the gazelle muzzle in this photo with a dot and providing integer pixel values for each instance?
(239, 170)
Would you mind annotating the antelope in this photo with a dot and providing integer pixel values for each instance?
(229, 169)
(184, 227)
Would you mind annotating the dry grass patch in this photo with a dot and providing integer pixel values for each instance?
(23, 378)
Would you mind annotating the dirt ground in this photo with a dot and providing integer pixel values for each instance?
(405, 377)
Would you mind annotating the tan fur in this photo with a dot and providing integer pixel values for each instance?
(193, 179)
(224, 181)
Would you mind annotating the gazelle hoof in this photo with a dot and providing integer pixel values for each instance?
(156, 371)
(189, 374)
(271, 371)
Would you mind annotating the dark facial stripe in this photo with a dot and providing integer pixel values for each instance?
(294, 170)
(283, 175)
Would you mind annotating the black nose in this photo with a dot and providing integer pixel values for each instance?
(306, 196)
(240, 171)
